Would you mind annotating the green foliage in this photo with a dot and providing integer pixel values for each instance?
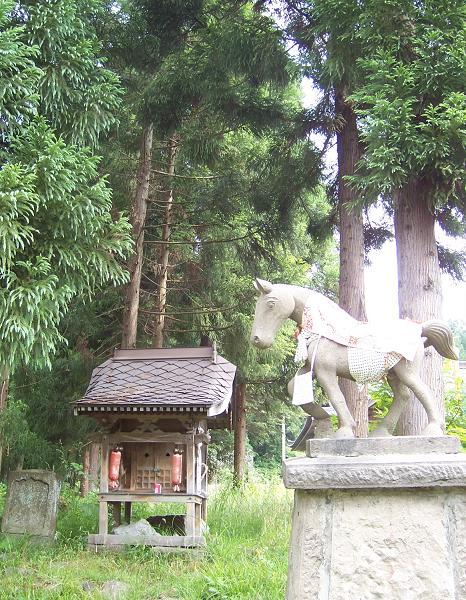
(412, 103)
(455, 402)
(459, 334)
(380, 393)
(19, 76)
(59, 241)
(45, 394)
(15, 433)
(57, 236)
(78, 95)
(33, 434)
(326, 34)
(230, 75)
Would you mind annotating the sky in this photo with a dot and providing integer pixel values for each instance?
(381, 276)
(381, 285)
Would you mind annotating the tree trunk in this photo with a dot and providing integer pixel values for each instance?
(419, 288)
(352, 295)
(239, 459)
(161, 276)
(4, 383)
(131, 309)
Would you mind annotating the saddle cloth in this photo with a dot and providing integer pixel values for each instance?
(323, 317)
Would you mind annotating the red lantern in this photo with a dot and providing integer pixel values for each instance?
(177, 470)
(114, 469)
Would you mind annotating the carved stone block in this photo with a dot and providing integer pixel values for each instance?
(31, 504)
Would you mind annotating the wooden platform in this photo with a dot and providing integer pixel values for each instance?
(194, 519)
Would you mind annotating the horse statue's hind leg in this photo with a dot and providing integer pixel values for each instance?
(401, 378)
(408, 374)
(400, 399)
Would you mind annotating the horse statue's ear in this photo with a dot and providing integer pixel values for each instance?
(263, 286)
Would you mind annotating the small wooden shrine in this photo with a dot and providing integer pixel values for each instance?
(155, 408)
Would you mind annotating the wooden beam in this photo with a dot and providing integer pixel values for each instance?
(154, 498)
(128, 512)
(84, 488)
(156, 436)
(116, 513)
(94, 467)
(190, 485)
(197, 519)
(239, 458)
(172, 541)
(190, 466)
(103, 519)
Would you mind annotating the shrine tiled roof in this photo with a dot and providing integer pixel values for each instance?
(168, 378)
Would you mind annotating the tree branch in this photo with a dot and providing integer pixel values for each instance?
(157, 172)
(200, 242)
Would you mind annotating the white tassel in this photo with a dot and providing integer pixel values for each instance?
(301, 349)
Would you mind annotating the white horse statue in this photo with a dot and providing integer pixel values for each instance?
(334, 345)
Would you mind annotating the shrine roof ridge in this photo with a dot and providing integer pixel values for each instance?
(160, 353)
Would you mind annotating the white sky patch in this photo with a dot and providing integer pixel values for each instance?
(382, 285)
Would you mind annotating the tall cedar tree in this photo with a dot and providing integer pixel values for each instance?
(326, 34)
(413, 109)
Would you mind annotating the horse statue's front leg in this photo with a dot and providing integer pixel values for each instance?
(331, 359)
(329, 382)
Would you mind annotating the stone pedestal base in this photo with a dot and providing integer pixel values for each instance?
(386, 525)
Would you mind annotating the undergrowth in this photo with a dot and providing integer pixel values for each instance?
(245, 558)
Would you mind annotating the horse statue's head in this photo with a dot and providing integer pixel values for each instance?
(274, 306)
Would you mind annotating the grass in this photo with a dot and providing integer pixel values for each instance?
(246, 556)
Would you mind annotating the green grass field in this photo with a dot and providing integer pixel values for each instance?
(246, 555)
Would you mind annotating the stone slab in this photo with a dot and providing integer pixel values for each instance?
(381, 446)
(387, 523)
(31, 504)
(369, 472)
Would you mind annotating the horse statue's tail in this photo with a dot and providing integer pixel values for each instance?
(439, 336)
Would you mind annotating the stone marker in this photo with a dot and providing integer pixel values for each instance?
(386, 524)
(31, 504)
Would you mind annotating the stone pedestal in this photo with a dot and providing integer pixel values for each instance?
(381, 518)
(31, 504)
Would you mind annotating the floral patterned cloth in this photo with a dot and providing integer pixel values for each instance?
(321, 316)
